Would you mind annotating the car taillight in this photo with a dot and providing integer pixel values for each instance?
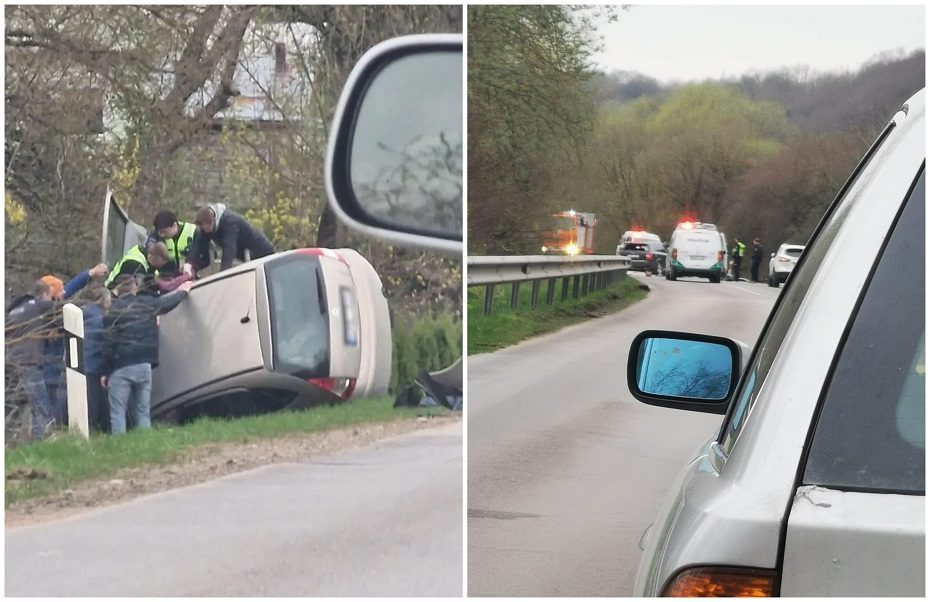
(674, 253)
(349, 316)
(784, 259)
(342, 387)
(716, 582)
(649, 256)
(720, 255)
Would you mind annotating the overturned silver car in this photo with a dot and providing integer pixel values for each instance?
(290, 330)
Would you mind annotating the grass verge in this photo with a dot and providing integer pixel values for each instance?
(506, 327)
(58, 464)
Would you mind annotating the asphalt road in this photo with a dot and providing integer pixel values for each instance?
(383, 521)
(565, 468)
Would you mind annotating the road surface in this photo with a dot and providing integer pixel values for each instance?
(565, 468)
(380, 521)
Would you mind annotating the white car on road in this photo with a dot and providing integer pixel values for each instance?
(814, 484)
(782, 262)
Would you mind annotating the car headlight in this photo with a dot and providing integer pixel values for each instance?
(571, 249)
(349, 315)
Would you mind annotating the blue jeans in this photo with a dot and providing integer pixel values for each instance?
(39, 401)
(130, 386)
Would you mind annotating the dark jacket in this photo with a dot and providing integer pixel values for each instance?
(29, 326)
(34, 329)
(130, 329)
(234, 236)
(757, 252)
(93, 339)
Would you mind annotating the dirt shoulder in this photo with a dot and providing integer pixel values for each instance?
(208, 462)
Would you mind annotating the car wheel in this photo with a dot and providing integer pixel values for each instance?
(660, 270)
(772, 282)
(672, 275)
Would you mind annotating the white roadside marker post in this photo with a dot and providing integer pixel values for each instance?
(74, 369)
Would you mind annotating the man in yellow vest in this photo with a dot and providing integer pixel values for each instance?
(176, 235)
(139, 261)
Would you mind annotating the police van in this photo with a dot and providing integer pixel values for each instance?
(697, 249)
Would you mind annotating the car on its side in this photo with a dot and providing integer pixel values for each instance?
(814, 484)
(697, 249)
(290, 330)
(646, 251)
(782, 262)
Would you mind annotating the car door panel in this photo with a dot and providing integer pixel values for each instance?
(119, 232)
(843, 543)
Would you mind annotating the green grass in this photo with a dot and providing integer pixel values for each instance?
(506, 327)
(70, 459)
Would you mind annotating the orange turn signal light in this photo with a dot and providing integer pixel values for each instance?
(719, 582)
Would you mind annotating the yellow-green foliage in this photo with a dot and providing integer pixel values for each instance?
(15, 213)
(430, 343)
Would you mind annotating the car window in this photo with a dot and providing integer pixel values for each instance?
(299, 317)
(634, 247)
(793, 252)
(783, 315)
(870, 433)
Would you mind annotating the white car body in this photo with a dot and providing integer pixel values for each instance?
(743, 499)
(697, 249)
(782, 262)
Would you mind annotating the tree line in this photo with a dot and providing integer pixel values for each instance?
(761, 156)
(155, 101)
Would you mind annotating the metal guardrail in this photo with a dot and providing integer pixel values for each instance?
(588, 273)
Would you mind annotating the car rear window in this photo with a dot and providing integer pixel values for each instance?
(793, 252)
(870, 434)
(299, 316)
(633, 247)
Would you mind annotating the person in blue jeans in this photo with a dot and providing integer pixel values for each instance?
(130, 348)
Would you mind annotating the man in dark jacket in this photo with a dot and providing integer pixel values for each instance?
(94, 305)
(757, 252)
(131, 348)
(29, 325)
(232, 233)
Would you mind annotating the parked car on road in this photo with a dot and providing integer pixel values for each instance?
(290, 330)
(782, 262)
(815, 483)
(646, 253)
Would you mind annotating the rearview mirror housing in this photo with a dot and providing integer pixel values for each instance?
(684, 371)
(394, 159)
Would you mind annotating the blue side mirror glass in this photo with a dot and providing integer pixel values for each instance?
(696, 370)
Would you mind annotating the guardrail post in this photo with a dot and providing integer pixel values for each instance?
(585, 285)
(75, 380)
(575, 284)
(564, 288)
(514, 295)
(488, 299)
(534, 294)
(550, 292)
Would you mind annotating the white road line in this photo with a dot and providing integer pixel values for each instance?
(739, 288)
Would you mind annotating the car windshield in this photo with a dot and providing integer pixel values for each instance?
(299, 316)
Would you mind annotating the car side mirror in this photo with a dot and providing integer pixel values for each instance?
(683, 370)
(773, 254)
(394, 162)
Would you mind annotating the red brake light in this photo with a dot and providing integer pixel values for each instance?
(342, 387)
(324, 252)
(686, 225)
(720, 255)
(649, 256)
(674, 253)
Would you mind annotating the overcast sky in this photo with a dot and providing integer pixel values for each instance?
(683, 43)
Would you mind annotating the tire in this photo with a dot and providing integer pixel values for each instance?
(672, 275)
(772, 282)
(715, 279)
(660, 269)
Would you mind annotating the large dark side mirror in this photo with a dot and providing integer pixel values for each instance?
(394, 166)
(684, 371)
